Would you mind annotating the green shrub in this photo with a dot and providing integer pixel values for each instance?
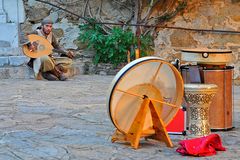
(112, 47)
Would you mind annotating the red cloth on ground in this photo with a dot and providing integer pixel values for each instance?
(203, 146)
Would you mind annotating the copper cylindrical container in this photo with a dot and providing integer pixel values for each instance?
(221, 109)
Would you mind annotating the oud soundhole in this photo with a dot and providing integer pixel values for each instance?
(41, 47)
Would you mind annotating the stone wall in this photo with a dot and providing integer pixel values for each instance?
(11, 14)
(203, 14)
(199, 14)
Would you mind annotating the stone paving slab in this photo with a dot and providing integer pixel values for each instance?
(69, 120)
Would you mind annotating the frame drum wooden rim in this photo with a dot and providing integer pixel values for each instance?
(152, 89)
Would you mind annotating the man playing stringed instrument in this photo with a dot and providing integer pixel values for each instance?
(47, 66)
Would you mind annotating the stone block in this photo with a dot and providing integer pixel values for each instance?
(3, 18)
(182, 39)
(4, 73)
(3, 61)
(9, 33)
(4, 43)
(21, 72)
(77, 68)
(36, 15)
(10, 51)
(17, 60)
(15, 10)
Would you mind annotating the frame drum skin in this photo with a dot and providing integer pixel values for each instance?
(221, 108)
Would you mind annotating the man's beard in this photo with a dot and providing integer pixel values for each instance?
(46, 33)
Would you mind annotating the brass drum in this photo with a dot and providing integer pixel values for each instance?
(199, 98)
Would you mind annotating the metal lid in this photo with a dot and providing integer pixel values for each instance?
(203, 50)
(207, 56)
(200, 87)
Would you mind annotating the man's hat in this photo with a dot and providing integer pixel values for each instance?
(46, 21)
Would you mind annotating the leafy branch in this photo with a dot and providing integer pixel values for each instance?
(113, 47)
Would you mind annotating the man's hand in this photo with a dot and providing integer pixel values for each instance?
(70, 54)
(32, 46)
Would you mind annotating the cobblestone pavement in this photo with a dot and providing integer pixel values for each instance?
(69, 120)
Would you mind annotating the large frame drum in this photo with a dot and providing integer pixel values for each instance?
(147, 76)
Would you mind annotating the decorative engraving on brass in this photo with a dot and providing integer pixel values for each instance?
(199, 98)
(199, 103)
(199, 113)
(200, 129)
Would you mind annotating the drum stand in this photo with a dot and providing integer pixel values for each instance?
(136, 130)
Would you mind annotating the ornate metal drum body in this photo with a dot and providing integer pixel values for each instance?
(199, 98)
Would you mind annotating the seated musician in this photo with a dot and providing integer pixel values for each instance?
(47, 66)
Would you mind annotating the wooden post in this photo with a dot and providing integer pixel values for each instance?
(128, 56)
(137, 53)
(159, 127)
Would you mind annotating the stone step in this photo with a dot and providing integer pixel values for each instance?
(24, 72)
(10, 72)
(9, 51)
(13, 60)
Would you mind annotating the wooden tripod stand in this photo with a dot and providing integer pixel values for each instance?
(136, 130)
